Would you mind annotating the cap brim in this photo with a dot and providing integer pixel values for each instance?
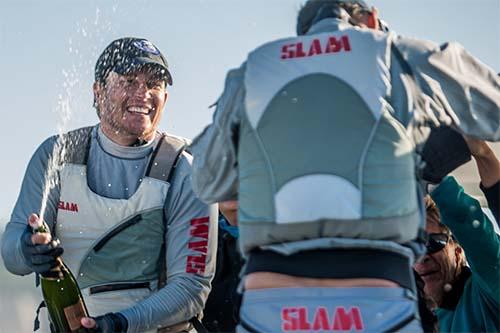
(140, 62)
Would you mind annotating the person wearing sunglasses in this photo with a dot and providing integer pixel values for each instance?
(466, 290)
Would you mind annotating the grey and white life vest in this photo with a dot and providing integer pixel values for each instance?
(320, 154)
(114, 246)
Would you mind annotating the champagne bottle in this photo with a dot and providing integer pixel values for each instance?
(61, 293)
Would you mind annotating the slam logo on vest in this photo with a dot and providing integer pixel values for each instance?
(69, 206)
(297, 319)
(317, 46)
(199, 229)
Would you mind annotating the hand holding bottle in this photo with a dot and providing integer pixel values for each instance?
(39, 249)
(110, 322)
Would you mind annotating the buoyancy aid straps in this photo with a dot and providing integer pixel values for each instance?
(165, 157)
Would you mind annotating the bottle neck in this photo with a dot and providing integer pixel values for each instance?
(56, 272)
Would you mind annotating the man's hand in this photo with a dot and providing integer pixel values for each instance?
(110, 322)
(39, 250)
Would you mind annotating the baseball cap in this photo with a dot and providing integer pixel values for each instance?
(125, 55)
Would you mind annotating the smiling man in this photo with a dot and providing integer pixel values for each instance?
(467, 297)
(112, 192)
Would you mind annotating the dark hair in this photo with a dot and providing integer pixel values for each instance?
(316, 10)
(432, 210)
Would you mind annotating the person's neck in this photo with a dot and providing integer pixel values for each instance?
(451, 298)
(124, 139)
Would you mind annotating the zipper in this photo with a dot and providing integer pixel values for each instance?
(119, 286)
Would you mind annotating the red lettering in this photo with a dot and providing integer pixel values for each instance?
(196, 264)
(345, 42)
(199, 227)
(286, 52)
(70, 206)
(300, 50)
(344, 321)
(200, 246)
(333, 45)
(201, 220)
(315, 48)
(303, 323)
(320, 321)
(289, 319)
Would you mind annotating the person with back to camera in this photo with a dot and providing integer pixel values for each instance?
(320, 136)
(140, 243)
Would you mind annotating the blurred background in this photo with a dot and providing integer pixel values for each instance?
(49, 48)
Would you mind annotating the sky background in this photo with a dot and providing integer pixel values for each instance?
(48, 50)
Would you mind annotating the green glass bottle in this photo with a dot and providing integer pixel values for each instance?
(62, 295)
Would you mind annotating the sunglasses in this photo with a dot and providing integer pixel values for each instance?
(436, 242)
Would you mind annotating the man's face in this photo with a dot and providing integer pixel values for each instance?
(439, 268)
(131, 105)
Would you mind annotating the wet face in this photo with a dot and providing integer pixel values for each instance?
(130, 106)
(440, 268)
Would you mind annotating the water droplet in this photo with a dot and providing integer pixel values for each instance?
(109, 185)
(284, 93)
(472, 208)
(140, 180)
(81, 274)
(81, 232)
(62, 289)
(126, 188)
(144, 262)
(476, 223)
(447, 287)
(156, 163)
(136, 166)
(295, 100)
(58, 280)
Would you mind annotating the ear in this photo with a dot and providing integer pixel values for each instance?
(97, 88)
(459, 255)
(373, 19)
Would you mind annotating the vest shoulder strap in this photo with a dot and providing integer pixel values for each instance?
(76, 145)
(165, 157)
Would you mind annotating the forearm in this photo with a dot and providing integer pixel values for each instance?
(488, 167)
(11, 251)
(180, 300)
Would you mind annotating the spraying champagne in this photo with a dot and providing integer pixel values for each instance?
(61, 292)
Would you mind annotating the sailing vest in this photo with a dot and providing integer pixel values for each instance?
(320, 155)
(114, 246)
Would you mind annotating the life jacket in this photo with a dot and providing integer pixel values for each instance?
(320, 154)
(114, 247)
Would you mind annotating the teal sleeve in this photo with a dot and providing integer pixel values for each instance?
(473, 230)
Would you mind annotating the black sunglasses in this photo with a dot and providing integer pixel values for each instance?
(436, 242)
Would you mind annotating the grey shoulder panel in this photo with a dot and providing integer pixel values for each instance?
(165, 157)
(77, 145)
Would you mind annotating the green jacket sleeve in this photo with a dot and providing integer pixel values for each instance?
(473, 230)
